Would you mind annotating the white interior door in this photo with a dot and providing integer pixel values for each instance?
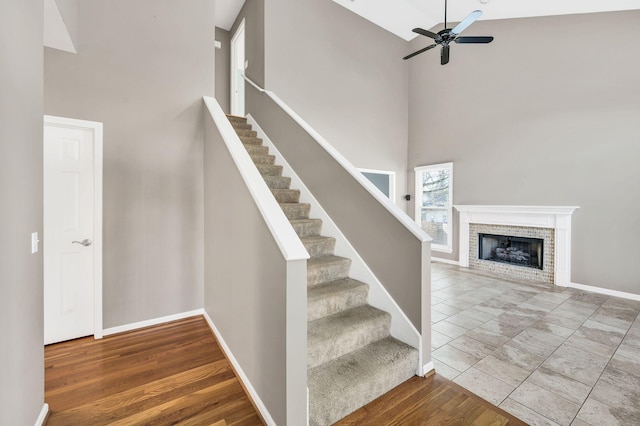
(72, 258)
(237, 70)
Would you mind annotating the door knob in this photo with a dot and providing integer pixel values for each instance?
(86, 242)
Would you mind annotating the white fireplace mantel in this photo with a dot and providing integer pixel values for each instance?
(555, 217)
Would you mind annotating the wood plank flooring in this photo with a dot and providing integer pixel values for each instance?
(176, 373)
(433, 400)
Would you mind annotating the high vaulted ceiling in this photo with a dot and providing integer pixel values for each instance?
(401, 16)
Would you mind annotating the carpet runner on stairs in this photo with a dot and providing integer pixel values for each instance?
(351, 357)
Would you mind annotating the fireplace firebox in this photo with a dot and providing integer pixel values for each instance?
(521, 251)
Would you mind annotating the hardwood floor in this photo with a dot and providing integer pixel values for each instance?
(433, 400)
(176, 373)
(167, 374)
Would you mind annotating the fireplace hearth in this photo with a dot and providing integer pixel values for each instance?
(520, 251)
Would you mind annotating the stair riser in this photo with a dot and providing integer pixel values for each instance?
(349, 340)
(237, 125)
(337, 303)
(296, 210)
(257, 149)
(320, 248)
(246, 133)
(307, 228)
(286, 195)
(237, 120)
(269, 170)
(251, 141)
(277, 182)
(263, 159)
(320, 274)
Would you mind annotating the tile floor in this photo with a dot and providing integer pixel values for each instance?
(548, 355)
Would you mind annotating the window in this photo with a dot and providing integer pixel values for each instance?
(434, 197)
(383, 180)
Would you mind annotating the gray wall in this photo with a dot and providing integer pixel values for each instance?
(69, 12)
(345, 77)
(223, 69)
(246, 277)
(531, 121)
(21, 351)
(142, 69)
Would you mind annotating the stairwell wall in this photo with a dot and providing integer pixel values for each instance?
(527, 121)
(142, 68)
(345, 77)
(246, 278)
(21, 284)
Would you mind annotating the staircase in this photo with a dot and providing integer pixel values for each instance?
(351, 357)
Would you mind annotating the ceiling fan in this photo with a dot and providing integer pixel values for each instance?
(448, 35)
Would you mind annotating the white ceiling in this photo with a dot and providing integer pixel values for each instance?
(401, 16)
(226, 12)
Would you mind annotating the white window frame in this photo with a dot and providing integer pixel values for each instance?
(448, 248)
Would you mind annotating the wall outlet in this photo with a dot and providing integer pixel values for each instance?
(34, 242)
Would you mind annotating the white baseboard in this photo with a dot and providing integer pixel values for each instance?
(606, 291)
(427, 368)
(243, 377)
(148, 323)
(447, 261)
(43, 415)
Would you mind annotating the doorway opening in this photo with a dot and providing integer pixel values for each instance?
(237, 71)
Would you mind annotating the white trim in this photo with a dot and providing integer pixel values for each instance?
(150, 322)
(607, 291)
(242, 376)
(427, 368)
(448, 248)
(97, 129)
(400, 215)
(392, 180)
(43, 415)
(233, 82)
(447, 261)
(280, 227)
(554, 217)
(401, 327)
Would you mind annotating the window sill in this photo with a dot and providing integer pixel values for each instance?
(441, 249)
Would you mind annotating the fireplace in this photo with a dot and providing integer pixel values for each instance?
(519, 251)
(551, 224)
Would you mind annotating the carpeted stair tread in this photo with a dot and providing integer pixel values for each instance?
(319, 245)
(324, 269)
(263, 158)
(286, 195)
(336, 296)
(296, 210)
(257, 149)
(250, 141)
(345, 384)
(277, 182)
(269, 169)
(246, 132)
(236, 118)
(306, 227)
(346, 331)
(241, 125)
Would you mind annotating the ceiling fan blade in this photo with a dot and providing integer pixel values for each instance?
(419, 52)
(474, 39)
(473, 16)
(427, 34)
(444, 55)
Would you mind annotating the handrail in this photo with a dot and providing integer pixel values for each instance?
(401, 216)
(278, 224)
